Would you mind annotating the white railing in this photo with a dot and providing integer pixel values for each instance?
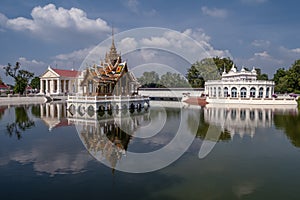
(106, 98)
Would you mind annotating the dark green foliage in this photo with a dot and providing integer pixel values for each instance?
(168, 80)
(35, 83)
(21, 77)
(207, 69)
(173, 80)
(288, 80)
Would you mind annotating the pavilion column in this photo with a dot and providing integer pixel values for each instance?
(62, 86)
(69, 86)
(58, 86)
(65, 85)
(51, 86)
(47, 86)
(41, 86)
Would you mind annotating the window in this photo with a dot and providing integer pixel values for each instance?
(219, 92)
(252, 92)
(243, 92)
(225, 92)
(267, 92)
(215, 91)
(261, 92)
(90, 87)
(234, 92)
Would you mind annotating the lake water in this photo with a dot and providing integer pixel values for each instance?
(250, 153)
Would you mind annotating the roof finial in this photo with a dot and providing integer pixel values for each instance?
(112, 35)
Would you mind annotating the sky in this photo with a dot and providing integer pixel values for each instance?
(38, 34)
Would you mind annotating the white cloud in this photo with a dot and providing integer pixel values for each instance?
(297, 50)
(127, 44)
(49, 21)
(214, 12)
(155, 41)
(3, 19)
(263, 54)
(75, 55)
(261, 43)
(148, 46)
(30, 63)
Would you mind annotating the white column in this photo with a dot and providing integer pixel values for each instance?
(47, 88)
(58, 86)
(69, 86)
(51, 86)
(41, 86)
(65, 85)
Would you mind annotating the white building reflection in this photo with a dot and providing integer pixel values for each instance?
(54, 114)
(241, 121)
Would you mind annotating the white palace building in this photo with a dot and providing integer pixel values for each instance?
(242, 87)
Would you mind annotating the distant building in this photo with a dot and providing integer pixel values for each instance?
(243, 84)
(59, 81)
(4, 88)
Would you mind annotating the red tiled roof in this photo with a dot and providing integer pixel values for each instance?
(3, 86)
(67, 73)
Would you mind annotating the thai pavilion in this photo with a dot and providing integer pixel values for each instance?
(243, 84)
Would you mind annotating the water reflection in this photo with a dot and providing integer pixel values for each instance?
(53, 114)
(108, 138)
(289, 122)
(244, 121)
(21, 123)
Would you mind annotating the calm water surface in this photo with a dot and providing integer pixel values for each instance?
(42, 156)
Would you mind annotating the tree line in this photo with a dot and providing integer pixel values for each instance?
(197, 74)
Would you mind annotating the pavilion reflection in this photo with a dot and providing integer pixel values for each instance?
(107, 139)
(241, 120)
(53, 114)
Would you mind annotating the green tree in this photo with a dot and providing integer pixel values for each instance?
(288, 80)
(21, 77)
(223, 62)
(35, 83)
(207, 69)
(194, 77)
(261, 76)
(172, 80)
(149, 79)
(279, 74)
(294, 76)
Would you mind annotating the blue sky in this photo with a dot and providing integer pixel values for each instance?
(260, 33)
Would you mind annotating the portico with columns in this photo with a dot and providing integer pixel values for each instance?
(59, 82)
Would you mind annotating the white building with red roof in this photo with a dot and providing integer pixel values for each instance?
(3, 88)
(59, 81)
